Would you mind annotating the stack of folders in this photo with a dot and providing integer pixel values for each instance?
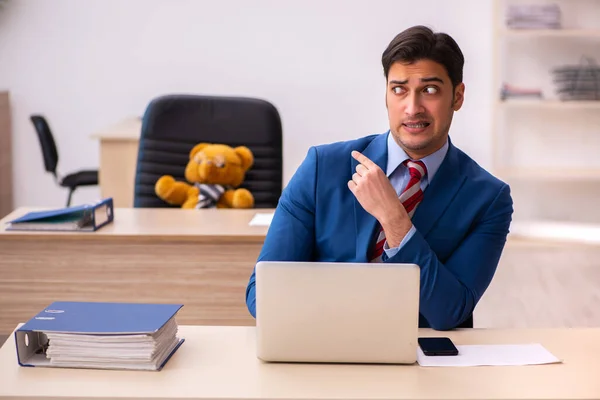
(100, 335)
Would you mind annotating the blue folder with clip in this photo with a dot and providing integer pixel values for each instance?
(85, 218)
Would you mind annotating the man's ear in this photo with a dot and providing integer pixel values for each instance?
(459, 96)
(385, 94)
(197, 148)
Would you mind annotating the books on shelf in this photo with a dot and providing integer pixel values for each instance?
(85, 218)
(578, 82)
(533, 16)
(127, 336)
(514, 92)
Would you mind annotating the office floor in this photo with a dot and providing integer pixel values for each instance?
(540, 286)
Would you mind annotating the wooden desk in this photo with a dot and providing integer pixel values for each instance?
(118, 160)
(201, 258)
(220, 363)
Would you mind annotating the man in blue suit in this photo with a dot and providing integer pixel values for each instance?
(404, 196)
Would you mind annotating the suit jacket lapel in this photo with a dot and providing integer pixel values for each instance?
(439, 193)
(376, 151)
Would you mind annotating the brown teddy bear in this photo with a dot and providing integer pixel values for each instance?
(213, 173)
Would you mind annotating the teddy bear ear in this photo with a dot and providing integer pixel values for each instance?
(246, 156)
(197, 148)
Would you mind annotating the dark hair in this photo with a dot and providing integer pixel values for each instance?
(419, 43)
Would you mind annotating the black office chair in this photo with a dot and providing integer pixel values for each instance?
(71, 181)
(173, 124)
(468, 323)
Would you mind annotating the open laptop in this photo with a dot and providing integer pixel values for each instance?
(337, 312)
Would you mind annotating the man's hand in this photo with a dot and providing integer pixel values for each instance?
(377, 196)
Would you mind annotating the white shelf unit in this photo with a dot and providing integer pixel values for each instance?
(539, 33)
(532, 138)
(550, 174)
(561, 232)
(541, 104)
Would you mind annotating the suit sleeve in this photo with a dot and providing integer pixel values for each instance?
(450, 291)
(291, 234)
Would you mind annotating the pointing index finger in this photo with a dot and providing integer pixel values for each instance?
(364, 160)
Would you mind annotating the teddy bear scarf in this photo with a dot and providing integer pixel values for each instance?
(209, 195)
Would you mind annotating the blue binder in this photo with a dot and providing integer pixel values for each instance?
(85, 218)
(90, 318)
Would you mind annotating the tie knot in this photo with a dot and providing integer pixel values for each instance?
(416, 169)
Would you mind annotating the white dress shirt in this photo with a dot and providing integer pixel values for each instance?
(399, 176)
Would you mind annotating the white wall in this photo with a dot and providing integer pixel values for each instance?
(88, 64)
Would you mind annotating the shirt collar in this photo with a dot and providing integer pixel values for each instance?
(397, 155)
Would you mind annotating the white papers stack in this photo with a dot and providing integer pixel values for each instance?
(479, 355)
(135, 351)
(261, 219)
(543, 16)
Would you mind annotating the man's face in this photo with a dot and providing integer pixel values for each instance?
(421, 102)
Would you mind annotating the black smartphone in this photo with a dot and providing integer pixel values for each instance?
(437, 346)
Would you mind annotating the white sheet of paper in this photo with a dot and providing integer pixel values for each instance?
(261, 219)
(496, 354)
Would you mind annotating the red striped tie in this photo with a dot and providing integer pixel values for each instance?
(410, 198)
